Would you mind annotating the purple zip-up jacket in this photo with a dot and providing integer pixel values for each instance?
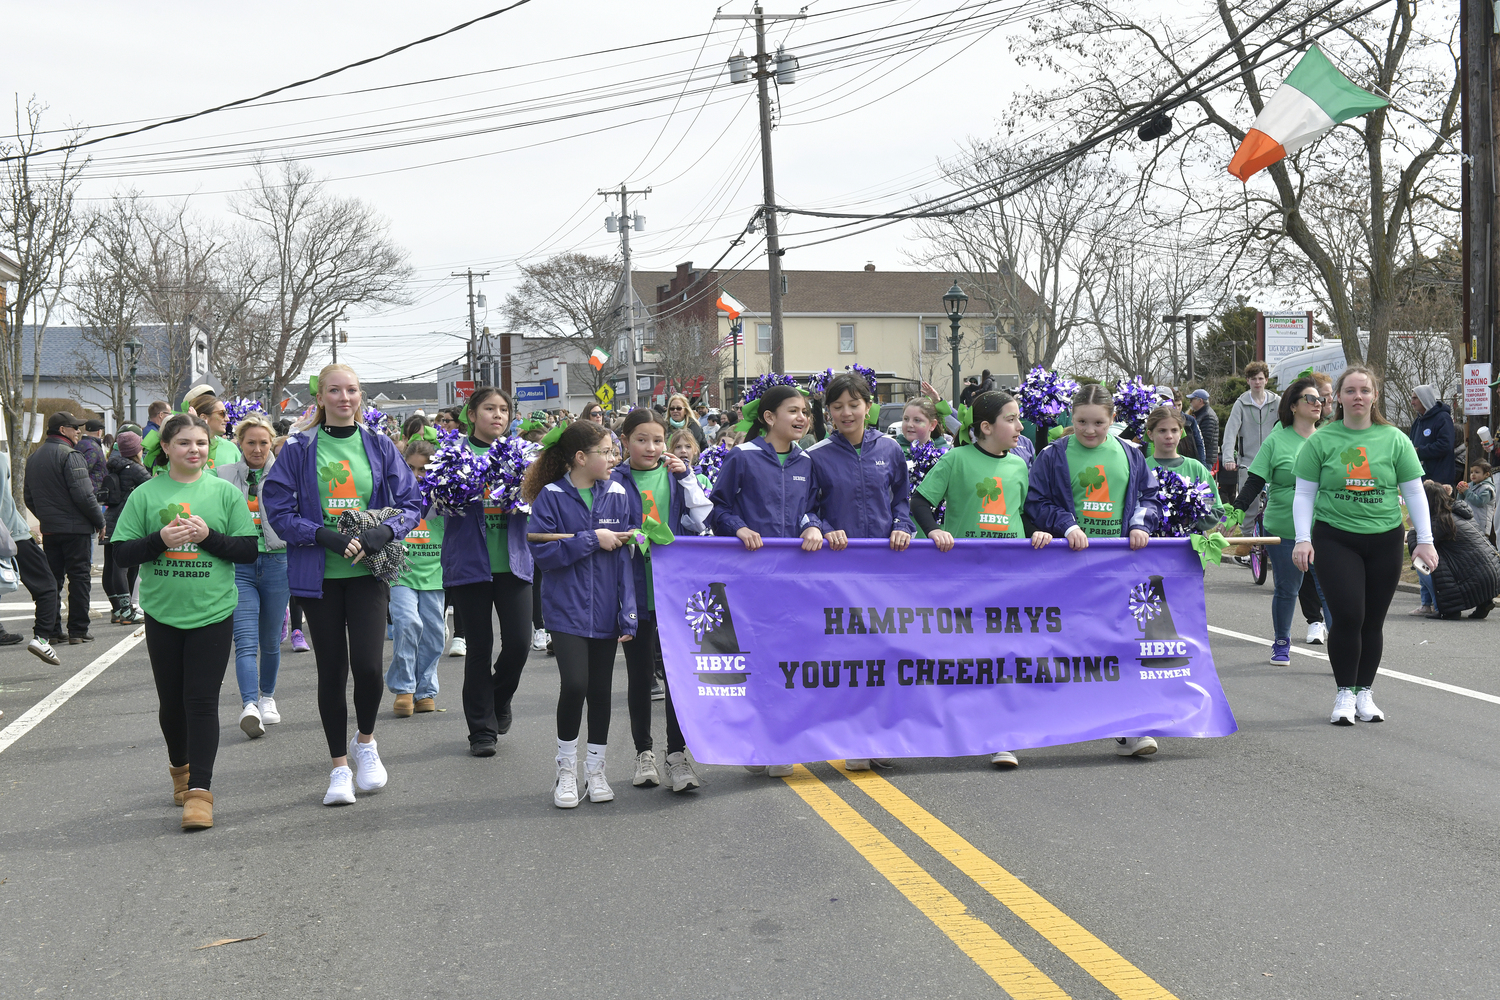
(294, 506)
(865, 495)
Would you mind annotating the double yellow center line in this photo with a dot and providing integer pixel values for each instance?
(1011, 970)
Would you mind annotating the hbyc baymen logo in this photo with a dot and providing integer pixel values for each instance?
(992, 513)
(1357, 475)
(170, 513)
(1095, 484)
(720, 663)
(1162, 649)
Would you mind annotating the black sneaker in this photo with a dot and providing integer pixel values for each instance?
(482, 748)
(658, 693)
(9, 638)
(503, 720)
(74, 640)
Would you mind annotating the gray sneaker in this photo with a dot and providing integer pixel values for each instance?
(646, 775)
(680, 773)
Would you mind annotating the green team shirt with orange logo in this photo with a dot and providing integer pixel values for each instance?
(424, 556)
(186, 586)
(223, 452)
(344, 483)
(1359, 474)
(496, 525)
(1099, 477)
(656, 501)
(984, 493)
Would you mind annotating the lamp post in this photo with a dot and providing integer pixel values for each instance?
(265, 391)
(1188, 319)
(133, 346)
(954, 304)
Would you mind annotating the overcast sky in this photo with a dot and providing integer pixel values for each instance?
(863, 128)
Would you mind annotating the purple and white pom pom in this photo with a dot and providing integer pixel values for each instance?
(1044, 396)
(709, 464)
(1134, 403)
(456, 477)
(1185, 503)
(765, 382)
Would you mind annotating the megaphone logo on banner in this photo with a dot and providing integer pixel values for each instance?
(1161, 646)
(720, 659)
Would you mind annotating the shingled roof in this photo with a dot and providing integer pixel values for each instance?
(828, 293)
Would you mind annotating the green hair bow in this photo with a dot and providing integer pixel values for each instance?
(428, 433)
(965, 424)
(312, 386)
(554, 435)
(1304, 373)
(527, 426)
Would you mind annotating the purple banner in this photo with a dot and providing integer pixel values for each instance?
(780, 655)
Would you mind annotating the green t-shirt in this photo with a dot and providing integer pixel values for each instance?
(186, 587)
(424, 556)
(1275, 463)
(588, 497)
(496, 526)
(223, 452)
(1100, 477)
(984, 494)
(1358, 475)
(344, 483)
(656, 501)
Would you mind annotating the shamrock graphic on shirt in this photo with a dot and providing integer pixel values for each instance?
(171, 512)
(1095, 484)
(992, 514)
(1357, 475)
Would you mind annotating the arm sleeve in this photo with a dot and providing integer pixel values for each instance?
(332, 540)
(1147, 514)
(1303, 505)
(563, 552)
(922, 513)
(628, 620)
(372, 540)
(235, 548)
(1416, 506)
(696, 506)
(137, 551)
(82, 489)
(1231, 432)
(1253, 485)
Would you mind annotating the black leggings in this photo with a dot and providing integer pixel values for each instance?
(348, 637)
(458, 618)
(536, 603)
(1358, 574)
(642, 655)
(488, 688)
(189, 665)
(294, 607)
(118, 581)
(1312, 607)
(587, 670)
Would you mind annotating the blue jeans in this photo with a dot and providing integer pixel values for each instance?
(1288, 583)
(417, 618)
(257, 624)
(1429, 596)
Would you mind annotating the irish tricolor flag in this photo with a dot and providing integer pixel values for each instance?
(598, 358)
(1309, 102)
(730, 304)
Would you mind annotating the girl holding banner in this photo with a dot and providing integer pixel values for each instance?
(1090, 485)
(1351, 478)
(984, 485)
(666, 500)
(765, 487)
(861, 479)
(578, 531)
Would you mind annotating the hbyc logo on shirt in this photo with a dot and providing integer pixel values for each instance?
(420, 535)
(342, 494)
(1096, 502)
(1357, 475)
(170, 513)
(992, 512)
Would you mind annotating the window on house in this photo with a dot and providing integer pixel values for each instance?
(930, 338)
(991, 340)
(846, 338)
(763, 338)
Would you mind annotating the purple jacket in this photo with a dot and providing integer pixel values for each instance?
(466, 552)
(586, 591)
(754, 490)
(294, 506)
(865, 495)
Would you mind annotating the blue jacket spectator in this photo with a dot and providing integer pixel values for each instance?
(1432, 433)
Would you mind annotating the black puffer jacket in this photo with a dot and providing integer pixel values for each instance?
(120, 480)
(59, 492)
(1468, 571)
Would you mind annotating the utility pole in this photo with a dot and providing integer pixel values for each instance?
(629, 289)
(1189, 319)
(473, 326)
(333, 334)
(1481, 226)
(764, 70)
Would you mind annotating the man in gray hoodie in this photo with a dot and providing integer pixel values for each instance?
(1251, 421)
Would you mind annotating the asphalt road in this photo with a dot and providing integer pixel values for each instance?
(1293, 859)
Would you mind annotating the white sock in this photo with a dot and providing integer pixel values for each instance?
(596, 756)
(568, 750)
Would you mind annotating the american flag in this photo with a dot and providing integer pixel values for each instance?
(733, 339)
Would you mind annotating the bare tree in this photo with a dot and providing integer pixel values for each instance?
(686, 355)
(105, 299)
(1352, 205)
(1031, 257)
(570, 298)
(324, 254)
(173, 275)
(43, 230)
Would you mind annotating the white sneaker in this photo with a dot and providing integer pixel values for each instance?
(680, 772)
(1317, 633)
(539, 639)
(340, 788)
(43, 649)
(251, 723)
(595, 784)
(857, 764)
(779, 770)
(565, 789)
(646, 775)
(268, 713)
(458, 647)
(1364, 707)
(1004, 759)
(371, 774)
(1343, 708)
(1135, 746)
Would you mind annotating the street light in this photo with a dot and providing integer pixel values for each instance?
(133, 346)
(954, 303)
(265, 391)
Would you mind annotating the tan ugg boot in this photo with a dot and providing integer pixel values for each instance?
(179, 782)
(430, 705)
(403, 706)
(197, 809)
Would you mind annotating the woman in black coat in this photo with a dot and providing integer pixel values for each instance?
(1468, 572)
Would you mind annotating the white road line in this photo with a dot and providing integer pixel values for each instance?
(1384, 672)
(69, 688)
